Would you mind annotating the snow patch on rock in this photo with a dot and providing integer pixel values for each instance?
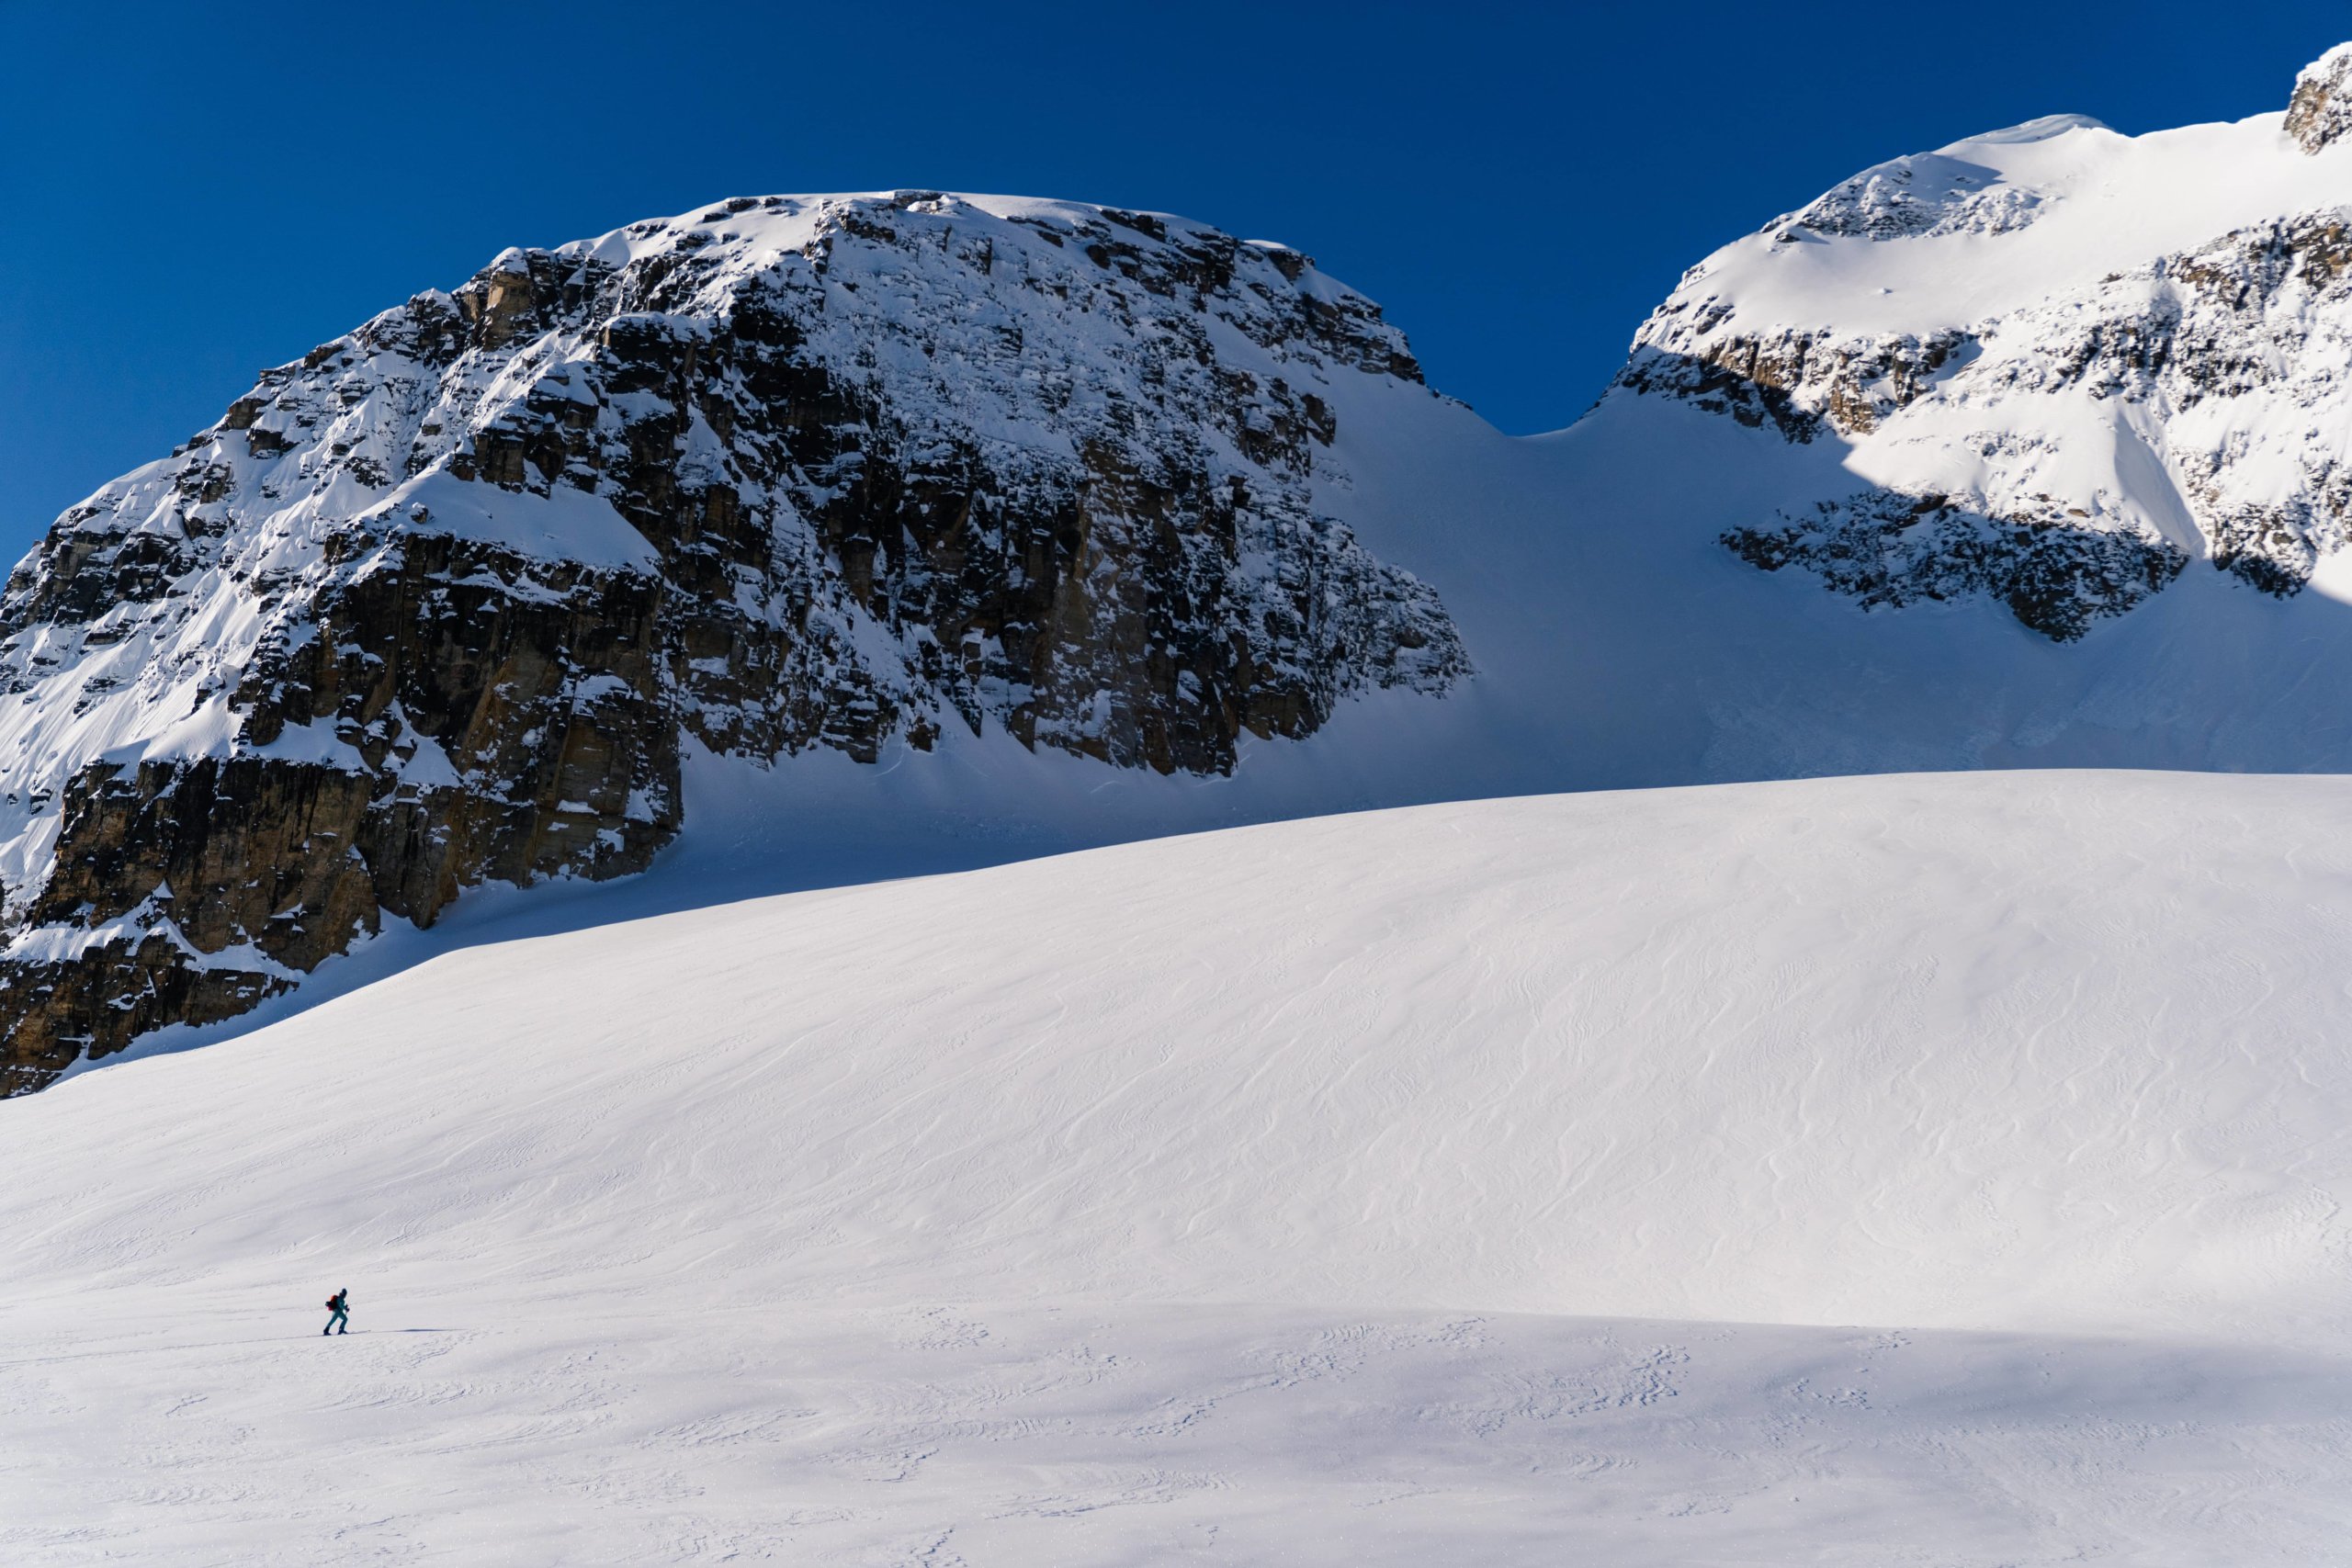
(2057, 393)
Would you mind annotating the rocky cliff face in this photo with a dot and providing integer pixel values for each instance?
(2321, 108)
(2045, 396)
(442, 602)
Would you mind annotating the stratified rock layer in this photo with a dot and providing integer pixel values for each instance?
(441, 604)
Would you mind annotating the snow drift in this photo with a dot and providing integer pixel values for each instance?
(1342, 1190)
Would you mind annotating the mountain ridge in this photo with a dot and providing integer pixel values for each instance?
(438, 604)
(2012, 453)
(2199, 266)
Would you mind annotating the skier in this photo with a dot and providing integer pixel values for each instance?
(339, 1307)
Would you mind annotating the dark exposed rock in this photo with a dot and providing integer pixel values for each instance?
(1800, 383)
(113, 992)
(2321, 108)
(441, 603)
(1886, 549)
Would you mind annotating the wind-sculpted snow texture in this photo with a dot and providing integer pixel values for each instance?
(2067, 364)
(442, 602)
(1930, 1171)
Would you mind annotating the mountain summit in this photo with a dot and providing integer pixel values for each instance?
(2062, 364)
(443, 601)
(975, 518)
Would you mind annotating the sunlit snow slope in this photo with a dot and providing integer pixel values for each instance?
(1904, 1169)
(1066, 524)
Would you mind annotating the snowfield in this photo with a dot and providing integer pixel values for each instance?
(2025, 452)
(1911, 1169)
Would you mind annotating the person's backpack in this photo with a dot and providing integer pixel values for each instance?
(334, 1303)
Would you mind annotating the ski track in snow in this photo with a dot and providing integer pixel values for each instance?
(1903, 1170)
(1137, 1434)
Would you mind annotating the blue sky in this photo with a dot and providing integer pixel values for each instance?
(192, 193)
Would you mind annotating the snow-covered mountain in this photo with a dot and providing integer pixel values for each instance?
(2063, 364)
(444, 601)
(959, 527)
(1898, 1168)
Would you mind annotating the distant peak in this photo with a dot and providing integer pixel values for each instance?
(2041, 129)
(2320, 109)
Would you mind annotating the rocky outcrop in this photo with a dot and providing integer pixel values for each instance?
(2218, 360)
(2073, 453)
(2227, 361)
(2321, 109)
(1922, 195)
(1886, 549)
(441, 604)
(1800, 383)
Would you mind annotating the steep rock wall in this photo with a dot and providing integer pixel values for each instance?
(440, 604)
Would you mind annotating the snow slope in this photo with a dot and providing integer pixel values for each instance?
(2026, 452)
(1489, 1182)
(2066, 365)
